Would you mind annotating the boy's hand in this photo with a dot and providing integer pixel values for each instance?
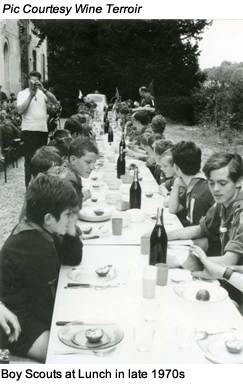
(86, 194)
(71, 230)
(163, 190)
(166, 201)
(211, 270)
(7, 321)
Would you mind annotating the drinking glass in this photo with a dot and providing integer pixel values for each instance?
(150, 309)
(143, 337)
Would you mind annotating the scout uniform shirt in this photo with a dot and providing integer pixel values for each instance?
(228, 224)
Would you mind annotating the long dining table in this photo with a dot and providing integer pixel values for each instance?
(121, 301)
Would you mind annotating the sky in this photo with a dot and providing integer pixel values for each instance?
(222, 41)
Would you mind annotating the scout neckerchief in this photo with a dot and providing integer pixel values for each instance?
(191, 197)
(228, 220)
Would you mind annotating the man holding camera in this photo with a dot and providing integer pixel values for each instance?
(31, 104)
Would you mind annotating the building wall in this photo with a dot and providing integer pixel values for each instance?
(11, 50)
(10, 75)
(41, 55)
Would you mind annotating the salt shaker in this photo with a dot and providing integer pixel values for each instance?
(149, 281)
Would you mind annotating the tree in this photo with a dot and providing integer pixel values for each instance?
(127, 54)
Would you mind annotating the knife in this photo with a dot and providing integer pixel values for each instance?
(91, 237)
(74, 285)
(60, 323)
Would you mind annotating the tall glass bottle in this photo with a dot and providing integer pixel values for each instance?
(158, 241)
(106, 126)
(110, 135)
(122, 142)
(135, 192)
(121, 164)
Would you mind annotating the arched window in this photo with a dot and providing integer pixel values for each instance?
(6, 58)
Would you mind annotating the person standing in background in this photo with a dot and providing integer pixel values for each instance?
(31, 104)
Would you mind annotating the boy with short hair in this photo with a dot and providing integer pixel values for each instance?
(224, 172)
(167, 166)
(159, 147)
(83, 154)
(46, 160)
(30, 260)
(197, 198)
(62, 145)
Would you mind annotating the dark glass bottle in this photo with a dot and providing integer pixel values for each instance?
(158, 241)
(122, 143)
(110, 135)
(135, 192)
(121, 164)
(107, 125)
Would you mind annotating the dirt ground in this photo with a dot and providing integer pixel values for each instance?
(12, 193)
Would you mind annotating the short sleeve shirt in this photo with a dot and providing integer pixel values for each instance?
(148, 100)
(35, 117)
(228, 223)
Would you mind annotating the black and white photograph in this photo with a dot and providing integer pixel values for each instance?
(121, 210)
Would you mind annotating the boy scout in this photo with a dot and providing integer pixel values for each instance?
(224, 172)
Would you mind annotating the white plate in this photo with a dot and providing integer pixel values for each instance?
(87, 214)
(189, 290)
(95, 231)
(178, 275)
(68, 332)
(87, 275)
(214, 348)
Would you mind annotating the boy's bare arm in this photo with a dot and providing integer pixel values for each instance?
(193, 232)
(174, 204)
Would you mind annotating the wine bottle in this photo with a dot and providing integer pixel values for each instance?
(158, 241)
(121, 164)
(135, 192)
(122, 143)
(110, 135)
(107, 125)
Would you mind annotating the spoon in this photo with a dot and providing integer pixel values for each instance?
(201, 335)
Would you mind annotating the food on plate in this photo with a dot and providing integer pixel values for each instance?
(132, 166)
(234, 345)
(94, 334)
(102, 271)
(94, 199)
(203, 295)
(87, 230)
(149, 194)
(96, 186)
(99, 212)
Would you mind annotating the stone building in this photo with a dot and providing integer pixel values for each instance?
(20, 55)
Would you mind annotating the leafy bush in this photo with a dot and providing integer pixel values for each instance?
(178, 108)
(219, 100)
